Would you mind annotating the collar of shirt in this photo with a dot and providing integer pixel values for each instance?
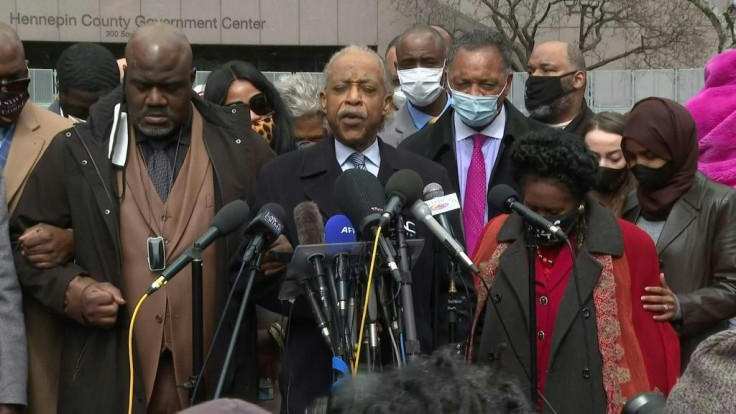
(561, 125)
(6, 132)
(420, 118)
(495, 129)
(372, 154)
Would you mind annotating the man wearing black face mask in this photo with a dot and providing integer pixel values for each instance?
(26, 130)
(555, 89)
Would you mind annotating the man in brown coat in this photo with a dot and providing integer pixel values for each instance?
(159, 178)
(28, 130)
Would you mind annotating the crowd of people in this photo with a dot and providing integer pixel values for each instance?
(128, 163)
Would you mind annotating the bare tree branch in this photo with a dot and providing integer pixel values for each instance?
(723, 23)
(657, 33)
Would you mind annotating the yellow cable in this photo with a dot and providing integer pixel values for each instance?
(130, 352)
(365, 305)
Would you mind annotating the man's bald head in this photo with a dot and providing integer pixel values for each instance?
(9, 38)
(562, 64)
(12, 54)
(152, 41)
(13, 75)
(414, 35)
(558, 53)
(158, 80)
(446, 36)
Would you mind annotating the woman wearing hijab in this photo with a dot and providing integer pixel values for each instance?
(691, 219)
(596, 344)
(614, 180)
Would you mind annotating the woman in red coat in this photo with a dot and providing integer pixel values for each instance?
(596, 345)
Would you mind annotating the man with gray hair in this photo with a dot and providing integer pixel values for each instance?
(555, 89)
(300, 94)
(356, 99)
(472, 140)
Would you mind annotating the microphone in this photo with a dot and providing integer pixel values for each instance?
(265, 227)
(229, 218)
(432, 191)
(310, 231)
(404, 187)
(339, 229)
(504, 198)
(361, 197)
(421, 212)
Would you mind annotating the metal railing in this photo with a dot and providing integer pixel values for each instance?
(608, 90)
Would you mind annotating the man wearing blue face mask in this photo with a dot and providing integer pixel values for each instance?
(472, 139)
(420, 61)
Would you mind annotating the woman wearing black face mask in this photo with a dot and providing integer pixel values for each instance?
(614, 180)
(582, 345)
(691, 219)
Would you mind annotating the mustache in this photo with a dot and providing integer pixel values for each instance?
(358, 113)
(155, 112)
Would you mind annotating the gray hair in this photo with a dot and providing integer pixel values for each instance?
(483, 38)
(300, 93)
(387, 86)
(385, 74)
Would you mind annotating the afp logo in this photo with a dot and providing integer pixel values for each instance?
(347, 230)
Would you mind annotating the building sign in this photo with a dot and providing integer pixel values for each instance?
(253, 22)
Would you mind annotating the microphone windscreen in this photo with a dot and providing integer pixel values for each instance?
(230, 217)
(308, 221)
(407, 184)
(359, 195)
(499, 195)
(339, 229)
(432, 191)
(275, 210)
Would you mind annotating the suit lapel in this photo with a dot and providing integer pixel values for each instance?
(515, 269)
(389, 162)
(318, 175)
(25, 149)
(440, 147)
(404, 125)
(682, 214)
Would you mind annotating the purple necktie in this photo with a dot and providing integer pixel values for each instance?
(474, 205)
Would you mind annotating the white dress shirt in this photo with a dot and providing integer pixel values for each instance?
(464, 149)
(372, 156)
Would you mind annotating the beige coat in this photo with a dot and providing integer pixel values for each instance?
(34, 130)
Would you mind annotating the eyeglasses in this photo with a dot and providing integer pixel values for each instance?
(16, 85)
(259, 104)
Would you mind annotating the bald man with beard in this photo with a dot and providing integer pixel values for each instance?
(163, 181)
(555, 89)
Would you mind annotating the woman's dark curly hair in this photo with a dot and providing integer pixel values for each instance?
(555, 155)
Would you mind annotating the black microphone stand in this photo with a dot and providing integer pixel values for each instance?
(197, 326)
(412, 346)
(452, 302)
(531, 251)
(254, 268)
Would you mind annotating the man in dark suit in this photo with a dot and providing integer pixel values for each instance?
(472, 140)
(356, 98)
(555, 89)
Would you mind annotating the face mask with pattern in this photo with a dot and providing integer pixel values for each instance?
(264, 127)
